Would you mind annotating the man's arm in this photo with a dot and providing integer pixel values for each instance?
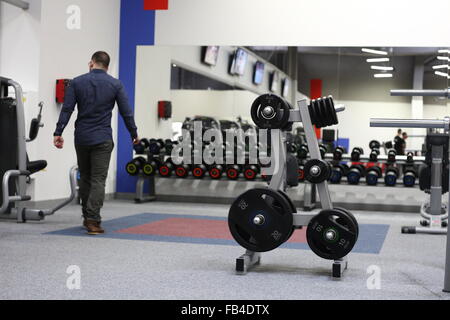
(66, 112)
(126, 112)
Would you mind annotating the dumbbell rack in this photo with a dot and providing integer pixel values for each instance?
(380, 159)
(423, 124)
(278, 183)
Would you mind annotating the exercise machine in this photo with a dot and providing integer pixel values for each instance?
(443, 124)
(15, 167)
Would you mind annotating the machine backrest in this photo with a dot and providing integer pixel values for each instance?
(8, 140)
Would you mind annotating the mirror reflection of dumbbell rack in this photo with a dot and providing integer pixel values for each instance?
(392, 173)
(150, 159)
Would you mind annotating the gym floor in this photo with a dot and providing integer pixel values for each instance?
(165, 250)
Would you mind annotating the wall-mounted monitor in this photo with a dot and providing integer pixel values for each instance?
(210, 55)
(285, 90)
(274, 80)
(239, 62)
(258, 75)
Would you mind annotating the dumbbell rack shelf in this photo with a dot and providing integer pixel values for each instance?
(381, 159)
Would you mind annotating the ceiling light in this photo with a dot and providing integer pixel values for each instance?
(378, 60)
(383, 75)
(442, 74)
(382, 68)
(444, 51)
(443, 58)
(384, 53)
(441, 66)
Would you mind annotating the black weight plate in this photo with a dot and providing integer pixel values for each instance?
(352, 217)
(312, 113)
(329, 111)
(280, 106)
(338, 222)
(319, 113)
(294, 210)
(333, 113)
(445, 175)
(374, 144)
(325, 171)
(325, 117)
(284, 194)
(132, 169)
(148, 169)
(275, 230)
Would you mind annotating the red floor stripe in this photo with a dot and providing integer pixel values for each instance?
(195, 228)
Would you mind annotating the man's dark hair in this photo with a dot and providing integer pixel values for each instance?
(101, 58)
(404, 134)
(399, 131)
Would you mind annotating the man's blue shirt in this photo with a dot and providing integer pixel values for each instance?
(95, 95)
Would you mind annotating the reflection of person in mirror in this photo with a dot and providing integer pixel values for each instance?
(400, 144)
(398, 136)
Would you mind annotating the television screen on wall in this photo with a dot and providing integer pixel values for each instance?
(275, 79)
(210, 55)
(239, 62)
(285, 90)
(258, 75)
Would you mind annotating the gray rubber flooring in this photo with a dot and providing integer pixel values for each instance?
(34, 265)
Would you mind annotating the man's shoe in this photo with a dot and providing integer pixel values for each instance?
(93, 227)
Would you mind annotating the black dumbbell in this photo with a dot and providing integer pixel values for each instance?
(169, 145)
(216, 171)
(142, 146)
(355, 173)
(391, 176)
(251, 172)
(337, 154)
(233, 171)
(425, 178)
(134, 167)
(323, 150)
(337, 172)
(199, 171)
(182, 171)
(166, 169)
(156, 146)
(356, 154)
(302, 152)
(409, 177)
(374, 153)
(291, 147)
(410, 157)
(392, 154)
(372, 175)
(374, 144)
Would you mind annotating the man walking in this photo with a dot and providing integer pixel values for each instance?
(95, 95)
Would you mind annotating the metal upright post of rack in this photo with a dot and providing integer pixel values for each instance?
(422, 123)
